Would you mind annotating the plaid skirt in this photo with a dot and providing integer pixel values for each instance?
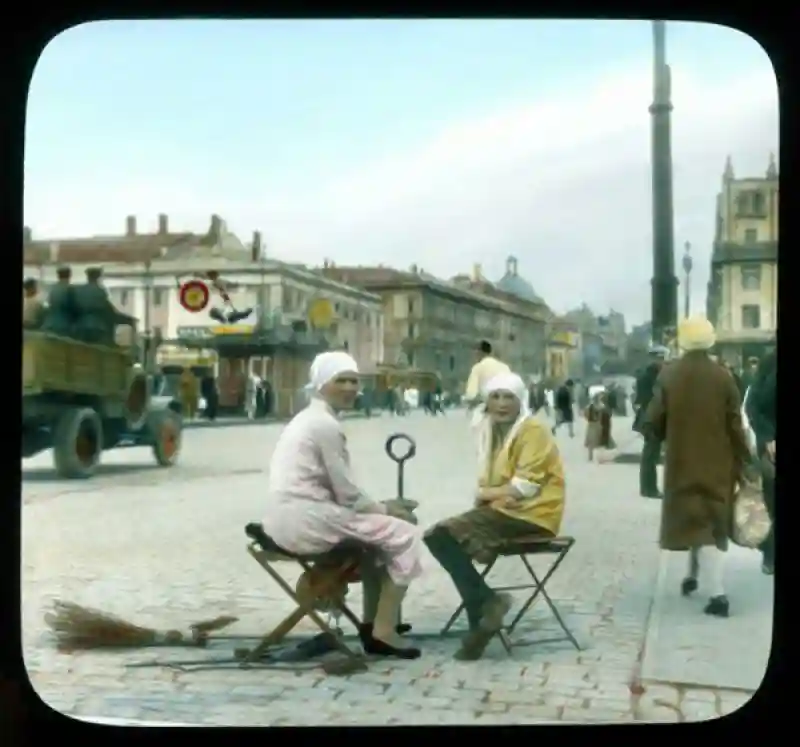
(481, 531)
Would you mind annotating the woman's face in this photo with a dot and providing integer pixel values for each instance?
(502, 406)
(340, 393)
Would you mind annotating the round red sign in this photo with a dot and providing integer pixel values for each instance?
(194, 296)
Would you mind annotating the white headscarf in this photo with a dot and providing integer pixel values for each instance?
(327, 366)
(506, 382)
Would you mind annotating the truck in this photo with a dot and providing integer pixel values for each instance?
(80, 399)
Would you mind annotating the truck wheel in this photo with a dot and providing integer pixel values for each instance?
(77, 443)
(165, 431)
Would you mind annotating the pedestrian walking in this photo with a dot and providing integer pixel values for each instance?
(651, 451)
(565, 407)
(189, 394)
(695, 409)
(598, 425)
(760, 407)
(486, 367)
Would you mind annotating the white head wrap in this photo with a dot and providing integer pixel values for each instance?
(506, 382)
(509, 382)
(327, 366)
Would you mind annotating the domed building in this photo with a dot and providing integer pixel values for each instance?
(516, 285)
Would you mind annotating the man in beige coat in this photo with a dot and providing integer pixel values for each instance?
(696, 410)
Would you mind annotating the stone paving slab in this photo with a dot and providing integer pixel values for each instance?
(687, 647)
(169, 552)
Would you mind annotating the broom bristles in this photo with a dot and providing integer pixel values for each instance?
(77, 627)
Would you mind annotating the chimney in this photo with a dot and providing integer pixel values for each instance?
(216, 227)
(477, 272)
(130, 225)
(325, 264)
(255, 250)
(27, 235)
(414, 269)
(163, 224)
(54, 247)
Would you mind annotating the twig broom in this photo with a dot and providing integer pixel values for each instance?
(77, 628)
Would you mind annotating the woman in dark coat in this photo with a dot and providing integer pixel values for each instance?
(761, 413)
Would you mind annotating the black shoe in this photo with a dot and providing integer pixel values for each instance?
(217, 316)
(376, 647)
(718, 606)
(365, 631)
(688, 586)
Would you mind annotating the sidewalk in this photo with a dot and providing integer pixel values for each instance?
(686, 647)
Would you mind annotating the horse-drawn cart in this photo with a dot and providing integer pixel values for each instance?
(81, 399)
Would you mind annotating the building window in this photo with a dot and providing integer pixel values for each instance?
(410, 306)
(412, 331)
(123, 298)
(758, 203)
(751, 278)
(750, 236)
(452, 363)
(751, 316)
(158, 294)
(346, 345)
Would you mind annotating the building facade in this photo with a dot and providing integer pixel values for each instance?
(289, 304)
(742, 299)
(435, 325)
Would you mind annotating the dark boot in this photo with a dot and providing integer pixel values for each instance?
(491, 623)
(718, 607)
(471, 587)
(648, 476)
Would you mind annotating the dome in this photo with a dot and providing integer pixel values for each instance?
(512, 283)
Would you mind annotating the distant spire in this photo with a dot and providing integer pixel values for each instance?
(511, 265)
(728, 173)
(772, 169)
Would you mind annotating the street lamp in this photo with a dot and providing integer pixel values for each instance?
(687, 270)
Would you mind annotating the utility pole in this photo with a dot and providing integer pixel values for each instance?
(148, 301)
(664, 283)
(687, 271)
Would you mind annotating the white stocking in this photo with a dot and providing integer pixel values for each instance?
(714, 570)
(694, 563)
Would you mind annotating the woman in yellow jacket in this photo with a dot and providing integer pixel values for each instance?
(521, 494)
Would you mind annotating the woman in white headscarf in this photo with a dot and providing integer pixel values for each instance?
(315, 504)
(521, 494)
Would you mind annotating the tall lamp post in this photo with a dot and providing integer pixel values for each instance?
(687, 271)
(664, 283)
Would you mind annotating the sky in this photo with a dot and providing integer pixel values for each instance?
(441, 143)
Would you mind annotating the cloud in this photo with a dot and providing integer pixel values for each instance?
(563, 183)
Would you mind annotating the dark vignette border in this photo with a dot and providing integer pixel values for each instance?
(31, 27)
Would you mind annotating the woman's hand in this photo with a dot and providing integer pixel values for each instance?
(490, 496)
(506, 501)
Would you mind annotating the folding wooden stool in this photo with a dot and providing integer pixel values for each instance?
(523, 548)
(341, 566)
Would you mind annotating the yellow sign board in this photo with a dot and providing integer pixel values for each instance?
(320, 313)
(565, 338)
(233, 329)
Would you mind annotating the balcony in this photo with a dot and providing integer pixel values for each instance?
(730, 252)
(744, 335)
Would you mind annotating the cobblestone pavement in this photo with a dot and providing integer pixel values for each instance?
(166, 548)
